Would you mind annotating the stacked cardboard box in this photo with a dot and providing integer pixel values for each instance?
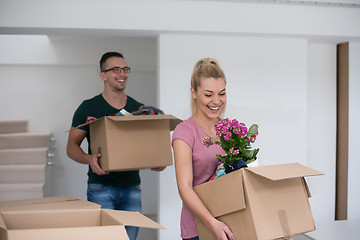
(22, 161)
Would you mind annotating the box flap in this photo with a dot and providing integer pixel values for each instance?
(50, 203)
(77, 204)
(173, 120)
(60, 218)
(2, 222)
(36, 201)
(284, 171)
(306, 187)
(132, 219)
(221, 198)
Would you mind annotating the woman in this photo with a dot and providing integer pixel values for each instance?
(194, 163)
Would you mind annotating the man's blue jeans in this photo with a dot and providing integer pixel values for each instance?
(118, 198)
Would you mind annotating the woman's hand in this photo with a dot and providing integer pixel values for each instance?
(221, 230)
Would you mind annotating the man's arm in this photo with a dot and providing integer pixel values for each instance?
(75, 152)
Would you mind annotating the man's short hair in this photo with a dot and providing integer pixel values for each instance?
(108, 55)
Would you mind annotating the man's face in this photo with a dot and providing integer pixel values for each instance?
(116, 81)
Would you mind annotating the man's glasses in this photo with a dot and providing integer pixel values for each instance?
(118, 70)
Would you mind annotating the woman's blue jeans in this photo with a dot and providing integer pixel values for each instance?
(194, 238)
(118, 198)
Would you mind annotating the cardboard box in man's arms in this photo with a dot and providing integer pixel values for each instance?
(132, 142)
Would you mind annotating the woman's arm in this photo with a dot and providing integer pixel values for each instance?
(184, 178)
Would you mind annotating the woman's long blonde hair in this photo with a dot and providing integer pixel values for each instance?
(206, 68)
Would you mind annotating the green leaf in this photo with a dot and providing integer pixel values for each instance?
(250, 160)
(253, 129)
(220, 157)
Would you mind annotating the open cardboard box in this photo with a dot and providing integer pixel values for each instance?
(64, 217)
(260, 203)
(132, 142)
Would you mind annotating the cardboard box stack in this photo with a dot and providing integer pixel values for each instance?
(23, 157)
(260, 203)
(59, 218)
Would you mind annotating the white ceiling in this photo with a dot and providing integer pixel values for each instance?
(331, 3)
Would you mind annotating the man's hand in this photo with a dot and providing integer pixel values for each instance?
(93, 161)
(159, 169)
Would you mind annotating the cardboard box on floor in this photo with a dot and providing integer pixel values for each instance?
(132, 142)
(260, 203)
(63, 217)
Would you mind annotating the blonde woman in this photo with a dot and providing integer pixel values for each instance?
(194, 163)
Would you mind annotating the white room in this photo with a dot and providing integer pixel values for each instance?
(280, 70)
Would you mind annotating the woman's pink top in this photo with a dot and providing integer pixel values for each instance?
(204, 163)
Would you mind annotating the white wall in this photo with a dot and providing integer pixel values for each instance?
(321, 128)
(354, 131)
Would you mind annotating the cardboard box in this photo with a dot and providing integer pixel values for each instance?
(48, 203)
(132, 142)
(260, 203)
(64, 217)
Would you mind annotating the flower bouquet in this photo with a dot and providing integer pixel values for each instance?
(235, 140)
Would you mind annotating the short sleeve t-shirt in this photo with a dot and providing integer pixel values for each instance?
(97, 107)
(204, 163)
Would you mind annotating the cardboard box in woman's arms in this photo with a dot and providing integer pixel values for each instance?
(260, 203)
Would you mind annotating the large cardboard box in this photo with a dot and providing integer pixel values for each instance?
(64, 217)
(260, 203)
(132, 142)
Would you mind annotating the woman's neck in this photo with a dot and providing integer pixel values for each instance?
(206, 124)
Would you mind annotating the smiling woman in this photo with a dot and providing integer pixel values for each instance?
(208, 77)
(194, 164)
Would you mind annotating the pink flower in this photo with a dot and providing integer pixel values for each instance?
(208, 142)
(227, 136)
(252, 138)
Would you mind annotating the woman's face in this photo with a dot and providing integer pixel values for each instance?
(210, 97)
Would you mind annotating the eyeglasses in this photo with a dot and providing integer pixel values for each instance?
(118, 70)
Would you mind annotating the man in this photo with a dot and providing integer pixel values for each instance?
(112, 190)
